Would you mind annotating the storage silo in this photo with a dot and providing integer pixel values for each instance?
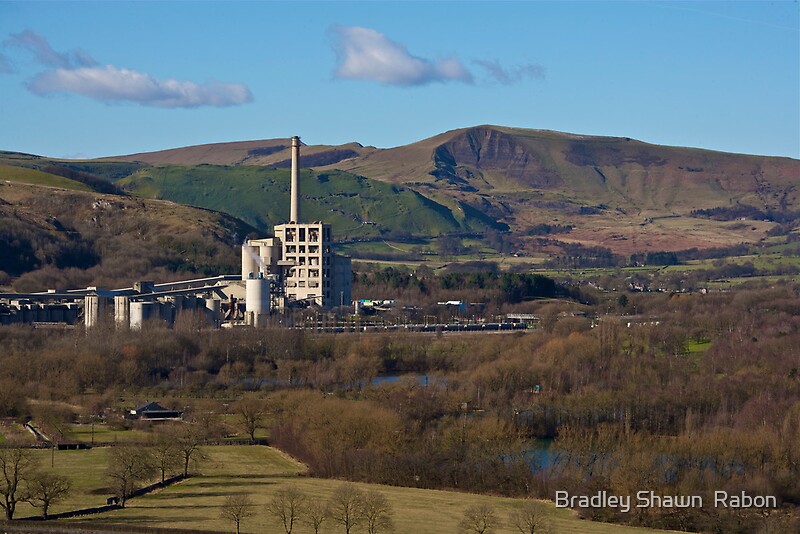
(269, 252)
(257, 299)
(249, 261)
(142, 311)
(213, 307)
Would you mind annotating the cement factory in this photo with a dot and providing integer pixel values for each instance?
(294, 268)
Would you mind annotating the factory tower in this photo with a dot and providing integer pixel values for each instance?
(297, 267)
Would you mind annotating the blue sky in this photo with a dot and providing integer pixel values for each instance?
(90, 79)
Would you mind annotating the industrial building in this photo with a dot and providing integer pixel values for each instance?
(297, 266)
(294, 268)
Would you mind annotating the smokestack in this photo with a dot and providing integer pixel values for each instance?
(295, 200)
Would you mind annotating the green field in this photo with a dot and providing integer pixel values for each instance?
(260, 472)
(698, 346)
(105, 434)
(32, 176)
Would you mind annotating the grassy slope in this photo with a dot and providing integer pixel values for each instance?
(132, 237)
(108, 170)
(33, 176)
(260, 472)
(260, 196)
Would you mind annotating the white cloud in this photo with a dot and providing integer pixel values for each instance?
(45, 54)
(5, 65)
(512, 75)
(112, 84)
(77, 72)
(365, 54)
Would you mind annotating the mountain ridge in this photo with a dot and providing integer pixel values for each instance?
(614, 192)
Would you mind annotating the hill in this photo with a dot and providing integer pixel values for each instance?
(614, 192)
(619, 194)
(269, 152)
(52, 237)
(261, 472)
(356, 206)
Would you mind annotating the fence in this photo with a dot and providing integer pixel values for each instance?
(108, 507)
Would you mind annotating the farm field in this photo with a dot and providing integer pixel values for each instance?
(260, 472)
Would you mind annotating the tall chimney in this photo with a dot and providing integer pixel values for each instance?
(295, 200)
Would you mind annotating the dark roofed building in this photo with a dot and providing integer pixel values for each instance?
(153, 411)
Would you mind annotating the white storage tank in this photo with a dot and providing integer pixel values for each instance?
(249, 261)
(122, 310)
(257, 299)
(142, 311)
(269, 252)
(213, 307)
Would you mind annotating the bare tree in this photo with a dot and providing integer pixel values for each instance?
(55, 421)
(127, 467)
(377, 513)
(479, 519)
(166, 454)
(188, 438)
(45, 489)
(346, 506)
(315, 513)
(287, 505)
(250, 413)
(237, 508)
(531, 519)
(17, 466)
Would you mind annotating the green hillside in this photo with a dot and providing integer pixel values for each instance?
(355, 206)
(82, 175)
(32, 176)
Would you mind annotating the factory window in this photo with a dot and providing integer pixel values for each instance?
(326, 234)
(313, 273)
(313, 284)
(289, 235)
(302, 234)
(326, 260)
(327, 283)
(326, 273)
(302, 249)
(327, 250)
(313, 249)
(301, 283)
(291, 296)
(291, 249)
(313, 235)
(301, 273)
(313, 260)
(290, 258)
(291, 284)
(302, 260)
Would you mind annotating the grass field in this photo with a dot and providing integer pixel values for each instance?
(32, 176)
(696, 347)
(105, 434)
(260, 472)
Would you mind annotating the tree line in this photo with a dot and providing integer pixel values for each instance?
(693, 393)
